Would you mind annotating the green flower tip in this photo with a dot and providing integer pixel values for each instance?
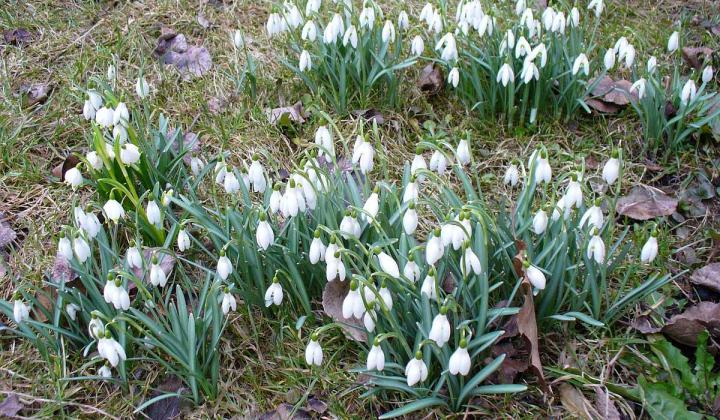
(226, 289)
(574, 176)
(118, 282)
(333, 239)
(418, 355)
(376, 250)
(354, 214)
(62, 234)
(615, 153)
(353, 284)
(598, 201)
(316, 234)
(376, 189)
(292, 183)
(107, 334)
(376, 342)
(432, 272)
(436, 232)
(463, 343)
(443, 310)
(411, 257)
(109, 276)
(418, 150)
(276, 187)
(263, 217)
(276, 279)
(526, 264)
(337, 254)
(154, 259)
(255, 157)
(348, 212)
(411, 206)
(315, 336)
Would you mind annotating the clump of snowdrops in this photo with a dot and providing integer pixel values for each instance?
(424, 260)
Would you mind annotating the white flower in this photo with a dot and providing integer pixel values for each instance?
(403, 21)
(470, 263)
(371, 207)
(133, 257)
(113, 210)
(417, 164)
(505, 75)
(121, 115)
(426, 12)
(81, 249)
(317, 249)
(581, 62)
(559, 21)
(349, 226)
(428, 286)
(334, 265)
(598, 5)
(376, 358)
(73, 177)
(540, 222)
(536, 277)
(309, 31)
(543, 172)
(21, 312)
(673, 42)
(417, 47)
(411, 270)
(153, 213)
(157, 274)
(274, 294)
(629, 56)
(264, 234)
(611, 170)
(386, 297)
(416, 371)
(440, 330)
(230, 182)
(367, 18)
(96, 328)
(650, 250)
(596, 248)
(639, 87)
(183, 240)
(312, 6)
(369, 320)
(142, 88)
(129, 154)
(609, 59)
(116, 294)
(324, 140)
(652, 64)
(334, 29)
(529, 72)
(351, 37)
(460, 360)
(363, 154)
(313, 353)
(454, 77)
(707, 74)
(111, 350)
(105, 371)
(353, 305)
(104, 117)
(574, 17)
(305, 61)
(275, 200)
(237, 39)
(293, 18)
(65, 248)
(72, 309)
(388, 265)
(224, 266)
(448, 46)
(689, 92)
(438, 162)
(88, 110)
(593, 217)
(512, 175)
(92, 104)
(410, 220)
(548, 16)
(573, 194)
(94, 160)
(228, 302)
(434, 248)
(275, 25)
(522, 48)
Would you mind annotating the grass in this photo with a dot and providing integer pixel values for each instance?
(263, 356)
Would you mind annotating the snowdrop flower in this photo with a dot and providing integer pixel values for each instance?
(388, 32)
(309, 31)
(264, 234)
(411, 190)
(350, 37)
(334, 29)
(121, 115)
(462, 152)
(689, 92)
(90, 225)
(363, 154)
(313, 352)
(505, 75)
(224, 266)
(105, 371)
(230, 182)
(387, 264)
(454, 77)
(417, 47)
(353, 305)
(367, 18)
(548, 16)
(317, 249)
(312, 6)
(221, 170)
(596, 248)
(581, 62)
(460, 360)
(673, 42)
(428, 287)
(71, 310)
(92, 104)
(540, 222)
(274, 294)
(110, 349)
(349, 225)
(183, 240)
(275, 199)
(113, 210)
(94, 160)
(73, 178)
(418, 163)
(104, 117)
(434, 248)
(370, 317)
(598, 6)
(593, 216)
(652, 64)
(561, 206)
(21, 311)
(512, 175)
(543, 172)
(416, 370)
(376, 357)
(81, 249)
(639, 87)
(611, 170)
(629, 56)
(305, 61)
(129, 154)
(142, 88)
(237, 39)
(435, 25)
(448, 46)
(334, 269)
(470, 262)
(574, 17)
(440, 330)
(535, 276)
(559, 21)
(96, 329)
(438, 162)
(426, 12)
(403, 21)
(411, 269)
(196, 165)
(293, 19)
(256, 175)
(371, 206)
(229, 303)
(609, 59)
(120, 134)
(707, 74)
(65, 247)
(529, 72)
(324, 140)
(133, 257)
(386, 296)
(116, 294)
(275, 25)
(650, 250)
(158, 277)
(573, 193)
(153, 213)
(410, 219)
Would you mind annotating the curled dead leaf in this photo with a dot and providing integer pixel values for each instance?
(645, 203)
(17, 36)
(575, 403)
(333, 296)
(605, 406)
(432, 80)
(708, 276)
(695, 57)
(173, 49)
(216, 105)
(610, 96)
(166, 408)
(37, 93)
(684, 328)
(11, 406)
(59, 171)
(371, 115)
(287, 115)
(7, 233)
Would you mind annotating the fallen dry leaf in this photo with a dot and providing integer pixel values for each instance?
(602, 106)
(167, 262)
(371, 115)
(173, 49)
(7, 234)
(10, 406)
(605, 406)
(610, 96)
(166, 408)
(431, 79)
(645, 203)
(644, 325)
(62, 271)
(18, 36)
(684, 328)
(287, 115)
(697, 56)
(202, 20)
(316, 405)
(575, 402)
(216, 105)
(70, 162)
(286, 411)
(708, 276)
(37, 93)
(333, 296)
